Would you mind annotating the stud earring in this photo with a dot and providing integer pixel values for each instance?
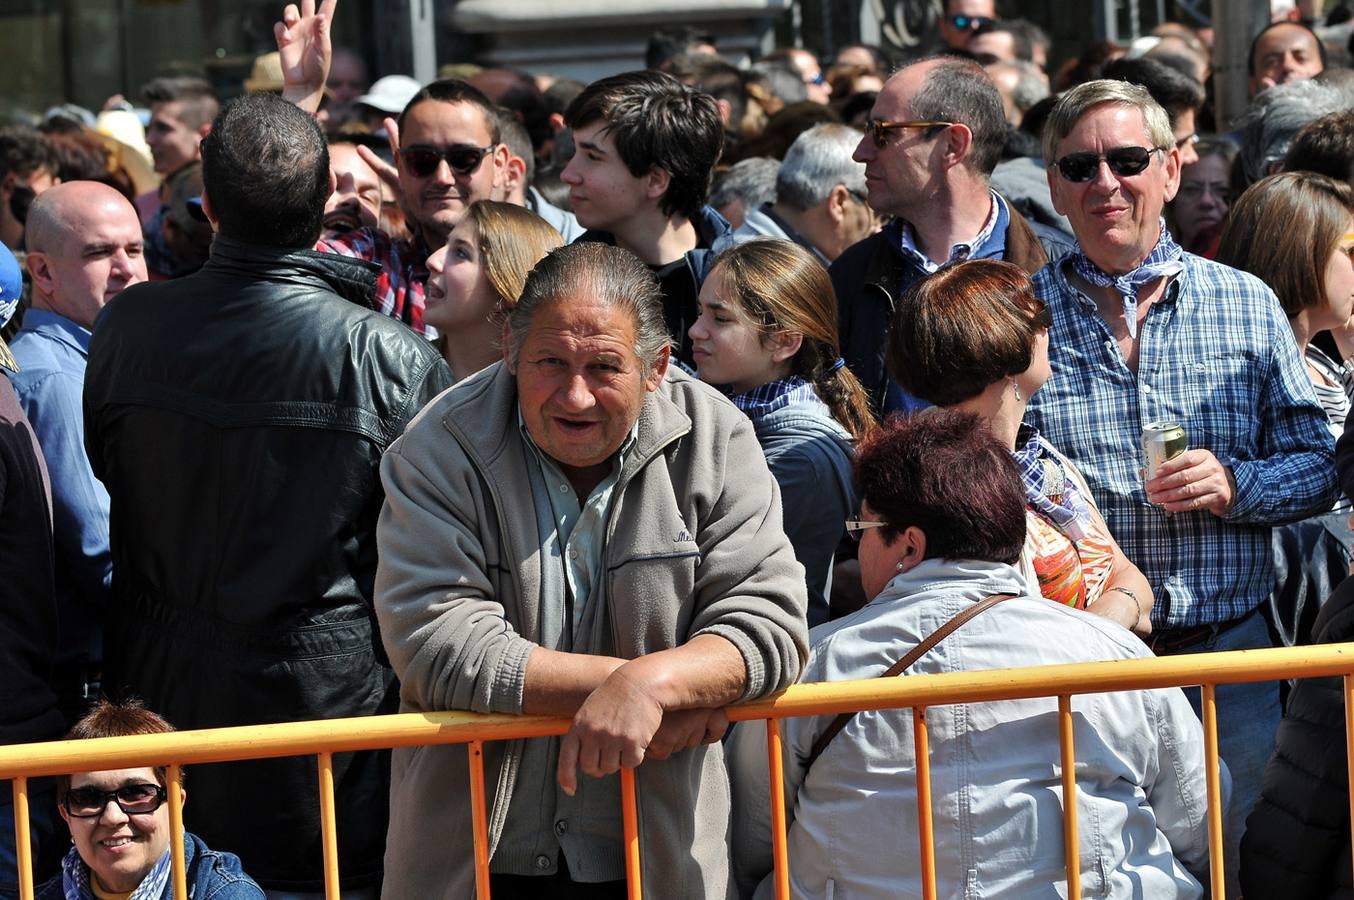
(900, 567)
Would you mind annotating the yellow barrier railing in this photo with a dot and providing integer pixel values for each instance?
(326, 737)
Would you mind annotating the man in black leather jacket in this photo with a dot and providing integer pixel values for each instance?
(237, 417)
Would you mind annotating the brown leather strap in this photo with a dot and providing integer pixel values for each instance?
(916, 653)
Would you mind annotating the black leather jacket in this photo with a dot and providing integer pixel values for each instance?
(238, 417)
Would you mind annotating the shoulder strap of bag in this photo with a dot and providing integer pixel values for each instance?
(901, 665)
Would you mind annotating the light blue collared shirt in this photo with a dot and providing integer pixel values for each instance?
(52, 352)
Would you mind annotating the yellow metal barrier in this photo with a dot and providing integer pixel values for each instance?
(326, 737)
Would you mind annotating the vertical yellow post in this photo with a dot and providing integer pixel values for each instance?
(1071, 839)
(329, 827)
(630, 815)
(925, 834)
(174, 775)
(1349, 740)
(776, 766)
(479, 818)
(1213, 781)
(22, 845)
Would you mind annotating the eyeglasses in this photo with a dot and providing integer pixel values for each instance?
(1186, 141)
(132, 799)
(878, 129)
(816, 78)
(854, 527)
(965, 23)
(1123, 161)
(422, 159)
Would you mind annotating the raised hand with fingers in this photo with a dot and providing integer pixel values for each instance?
(384, 170)
(305, 49)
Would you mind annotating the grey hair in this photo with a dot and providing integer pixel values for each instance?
(782, 80)
(1030, 87)
(602, 273)
(819, 160)
(1076, 102)
(752, 180)
(1275, 117)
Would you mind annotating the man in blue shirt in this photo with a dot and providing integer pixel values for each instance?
(1144, 332)
(84, 247)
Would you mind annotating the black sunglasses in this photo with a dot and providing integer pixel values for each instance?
(964, 23)
(878, 129)
(132, 799)
(1123, 161)
(422, 159)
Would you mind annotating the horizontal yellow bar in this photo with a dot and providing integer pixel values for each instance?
(408, 729)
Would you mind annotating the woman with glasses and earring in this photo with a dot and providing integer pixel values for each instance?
(767, 334)
(119, 825)
(974, 337)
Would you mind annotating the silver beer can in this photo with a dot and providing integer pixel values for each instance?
(1161, 441)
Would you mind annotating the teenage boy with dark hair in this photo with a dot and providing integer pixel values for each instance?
(640, 176)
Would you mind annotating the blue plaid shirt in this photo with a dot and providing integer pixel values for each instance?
(1215, 354)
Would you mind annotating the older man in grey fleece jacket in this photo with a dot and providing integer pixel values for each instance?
(581, 531)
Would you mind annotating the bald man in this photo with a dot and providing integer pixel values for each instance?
(84, 247)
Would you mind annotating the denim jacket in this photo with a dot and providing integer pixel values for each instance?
(996, 781)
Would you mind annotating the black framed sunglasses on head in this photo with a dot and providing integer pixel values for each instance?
(132, 799)
(1123, 161)
(462, 159)
(878, 129)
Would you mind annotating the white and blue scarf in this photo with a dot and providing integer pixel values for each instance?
(1165, 261)
(75, 878)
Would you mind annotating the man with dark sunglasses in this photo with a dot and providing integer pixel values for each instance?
(1144, 332)
(447, 151)
(933, 138)
(963, 17)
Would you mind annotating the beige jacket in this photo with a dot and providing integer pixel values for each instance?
(694, 546)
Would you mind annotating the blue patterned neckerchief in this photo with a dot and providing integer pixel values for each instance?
(1163, 262)
(75, 878)
(773, 395)
(1045, 478)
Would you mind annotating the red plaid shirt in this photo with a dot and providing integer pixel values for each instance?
(404, 270)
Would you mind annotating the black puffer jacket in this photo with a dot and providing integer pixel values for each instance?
(238, 417)
(1297, 841)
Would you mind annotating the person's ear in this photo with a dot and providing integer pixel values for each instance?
(837, 198)
(65, 816)
(207, 209)
(514, 176)
(7, 186)
(40, 270)
(656, 183)
(501, 155)
(958, 144)
(658, 370)
(784, 345)
(557, 122)
(911, 547)
(333, 184)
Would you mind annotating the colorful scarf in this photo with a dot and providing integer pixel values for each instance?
(1163, 262)
(75, 878)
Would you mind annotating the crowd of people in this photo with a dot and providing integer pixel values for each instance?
(628, 401)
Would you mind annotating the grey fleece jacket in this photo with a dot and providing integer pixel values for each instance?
(694, 546)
